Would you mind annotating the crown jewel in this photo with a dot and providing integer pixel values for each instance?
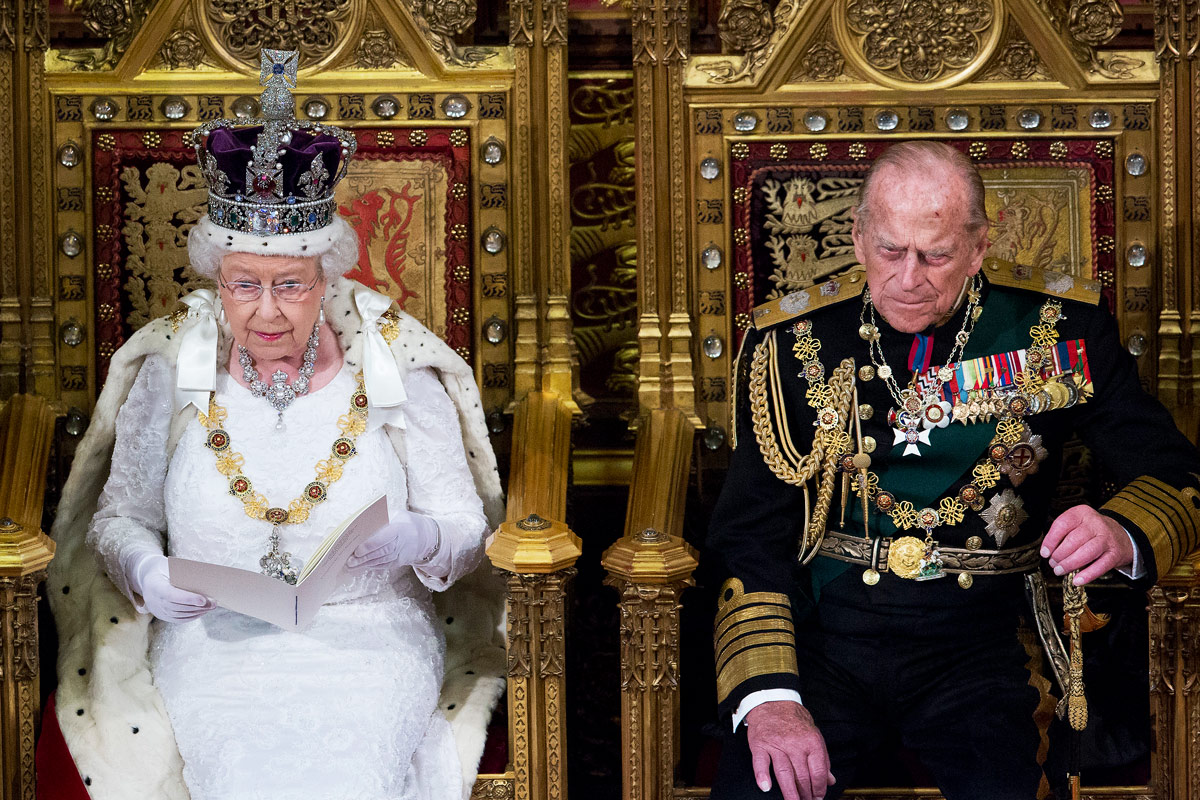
(273, 175)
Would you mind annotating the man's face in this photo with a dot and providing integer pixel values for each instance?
(916, 247)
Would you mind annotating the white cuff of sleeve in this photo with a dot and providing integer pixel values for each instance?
(1137, 569)
(756, 699)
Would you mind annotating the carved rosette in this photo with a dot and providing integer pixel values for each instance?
(1094, 22)
(377, 50)
(822, 62)
(448, 17)
(745, 25)
(1017, 60)
(182, 50)
(907, 42)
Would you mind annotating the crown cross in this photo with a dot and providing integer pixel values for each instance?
(278, 75)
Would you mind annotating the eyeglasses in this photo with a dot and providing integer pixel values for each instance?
(287, 292)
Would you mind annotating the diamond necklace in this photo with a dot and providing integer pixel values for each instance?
(280, 394)
(917, 414)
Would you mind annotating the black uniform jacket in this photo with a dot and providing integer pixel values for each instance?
(759, 518)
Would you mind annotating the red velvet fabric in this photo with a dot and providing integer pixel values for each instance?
(57, 778)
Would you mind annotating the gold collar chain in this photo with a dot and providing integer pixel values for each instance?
(917, 414)
(230, 463)
(833, 431)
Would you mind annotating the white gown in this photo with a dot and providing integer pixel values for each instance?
(346, 708)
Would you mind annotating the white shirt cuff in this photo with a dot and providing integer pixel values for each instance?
(756, 699)
(1137, 569)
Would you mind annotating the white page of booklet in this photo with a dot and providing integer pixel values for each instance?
(270, 599)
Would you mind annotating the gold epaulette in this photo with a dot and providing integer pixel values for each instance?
(804, 301)
(753, 635)
(1045, 281)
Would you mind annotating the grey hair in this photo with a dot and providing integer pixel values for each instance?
(925, 156)
(335, 246)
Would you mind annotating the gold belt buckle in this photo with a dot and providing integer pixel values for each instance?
(912, 558)
(904, 556)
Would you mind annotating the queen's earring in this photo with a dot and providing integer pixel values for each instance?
(221, 316)
(321, 316)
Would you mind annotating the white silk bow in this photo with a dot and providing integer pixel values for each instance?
(196, 369)
(384, 387)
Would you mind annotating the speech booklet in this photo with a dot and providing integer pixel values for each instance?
(289, 606)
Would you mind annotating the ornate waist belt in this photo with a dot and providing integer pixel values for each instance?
(880, 554)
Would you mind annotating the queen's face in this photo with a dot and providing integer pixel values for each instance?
(271, 327)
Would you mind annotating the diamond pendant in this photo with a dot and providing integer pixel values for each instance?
(277, 563)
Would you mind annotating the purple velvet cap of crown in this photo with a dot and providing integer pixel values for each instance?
(231, 149)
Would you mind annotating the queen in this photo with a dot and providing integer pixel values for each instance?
(240, 430)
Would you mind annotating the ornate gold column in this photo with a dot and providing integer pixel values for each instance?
(1176, 39)
(25, 263)
(660, 51)
(538, 553)
(12, 313)
(26, 427)
(542, 281)
(649, 567)
(1175, 683)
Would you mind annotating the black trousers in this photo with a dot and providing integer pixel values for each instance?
(963, 701)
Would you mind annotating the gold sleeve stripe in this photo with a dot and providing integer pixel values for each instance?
(1169, 517)
(748, 612)
(782, 626)
(753, 635)
(769, 659)
(1179, 513)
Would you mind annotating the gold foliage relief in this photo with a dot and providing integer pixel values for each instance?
(314, 27)
(919, 41)
(1016, 59)
(164, 204)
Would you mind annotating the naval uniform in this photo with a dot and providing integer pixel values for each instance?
(943, 662)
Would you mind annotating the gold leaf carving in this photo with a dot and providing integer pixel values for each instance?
(1016, 60)
(115, 21)
(440, 21)
(377, 50)
(183, 49)
(745, 24)
(822, 61)
(314, 27)
(919, 40)
(731, 71)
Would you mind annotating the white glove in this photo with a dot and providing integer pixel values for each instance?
(408, 539)
(149, 577)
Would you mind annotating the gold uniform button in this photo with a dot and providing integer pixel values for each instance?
(866, 373)
(865, 411)
(868, 444)
(965, 579)
(974, 543)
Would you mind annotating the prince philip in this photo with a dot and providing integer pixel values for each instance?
(898, 440)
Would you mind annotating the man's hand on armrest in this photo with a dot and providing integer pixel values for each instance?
(783, 737)
(1084, 539)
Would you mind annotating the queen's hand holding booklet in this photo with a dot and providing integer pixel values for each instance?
(290, 606)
